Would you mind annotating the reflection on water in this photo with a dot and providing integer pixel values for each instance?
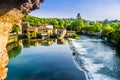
(49, 59)
(45, 42)
(118, 52)
(14, 49)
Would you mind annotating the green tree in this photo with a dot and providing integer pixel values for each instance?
(105, 22)
(55, 23)
(61, 23)
(116, 32)
(97, 27)
(78, 24)
(78, 16)
(106, 30)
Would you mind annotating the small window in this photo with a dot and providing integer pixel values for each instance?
(25, 31)
(60, 32)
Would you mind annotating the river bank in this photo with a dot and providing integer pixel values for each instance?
(108, 40)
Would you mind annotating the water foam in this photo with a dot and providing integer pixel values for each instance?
(87, 63)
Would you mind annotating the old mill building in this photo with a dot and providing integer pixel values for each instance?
(43, 30)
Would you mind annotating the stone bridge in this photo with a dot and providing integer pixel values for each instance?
(11, 12)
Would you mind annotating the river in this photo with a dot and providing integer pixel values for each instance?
(88, 58)
(96, 58)
(49, 59)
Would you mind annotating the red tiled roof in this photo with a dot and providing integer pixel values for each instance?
(31, 29)
(70, 31)
(43, 28)
(61, 29)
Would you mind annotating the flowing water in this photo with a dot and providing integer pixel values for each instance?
(98, 60)
(88, 58)
(42, 60)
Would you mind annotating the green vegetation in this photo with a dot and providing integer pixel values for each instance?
(69, 39)
(106, 28)
(14, 52)
(78, 24)
(12, 40)
(75, 36)
(16, 29)
(57, 23)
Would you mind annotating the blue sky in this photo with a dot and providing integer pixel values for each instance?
(89, 9)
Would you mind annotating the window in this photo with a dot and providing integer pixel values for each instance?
(25, 31)
(60, 32)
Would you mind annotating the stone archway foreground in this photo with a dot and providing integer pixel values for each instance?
(11, 12)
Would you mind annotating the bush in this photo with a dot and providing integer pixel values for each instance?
(75, 36)
(69, 40)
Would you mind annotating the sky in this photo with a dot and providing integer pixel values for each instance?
(89, 9)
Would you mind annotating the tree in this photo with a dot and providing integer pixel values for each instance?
(61, 23)
(105, 22)
(78, 16)
(97, 27)
(106, 30)
(78, 24)
(55, 23)
(116, 32)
